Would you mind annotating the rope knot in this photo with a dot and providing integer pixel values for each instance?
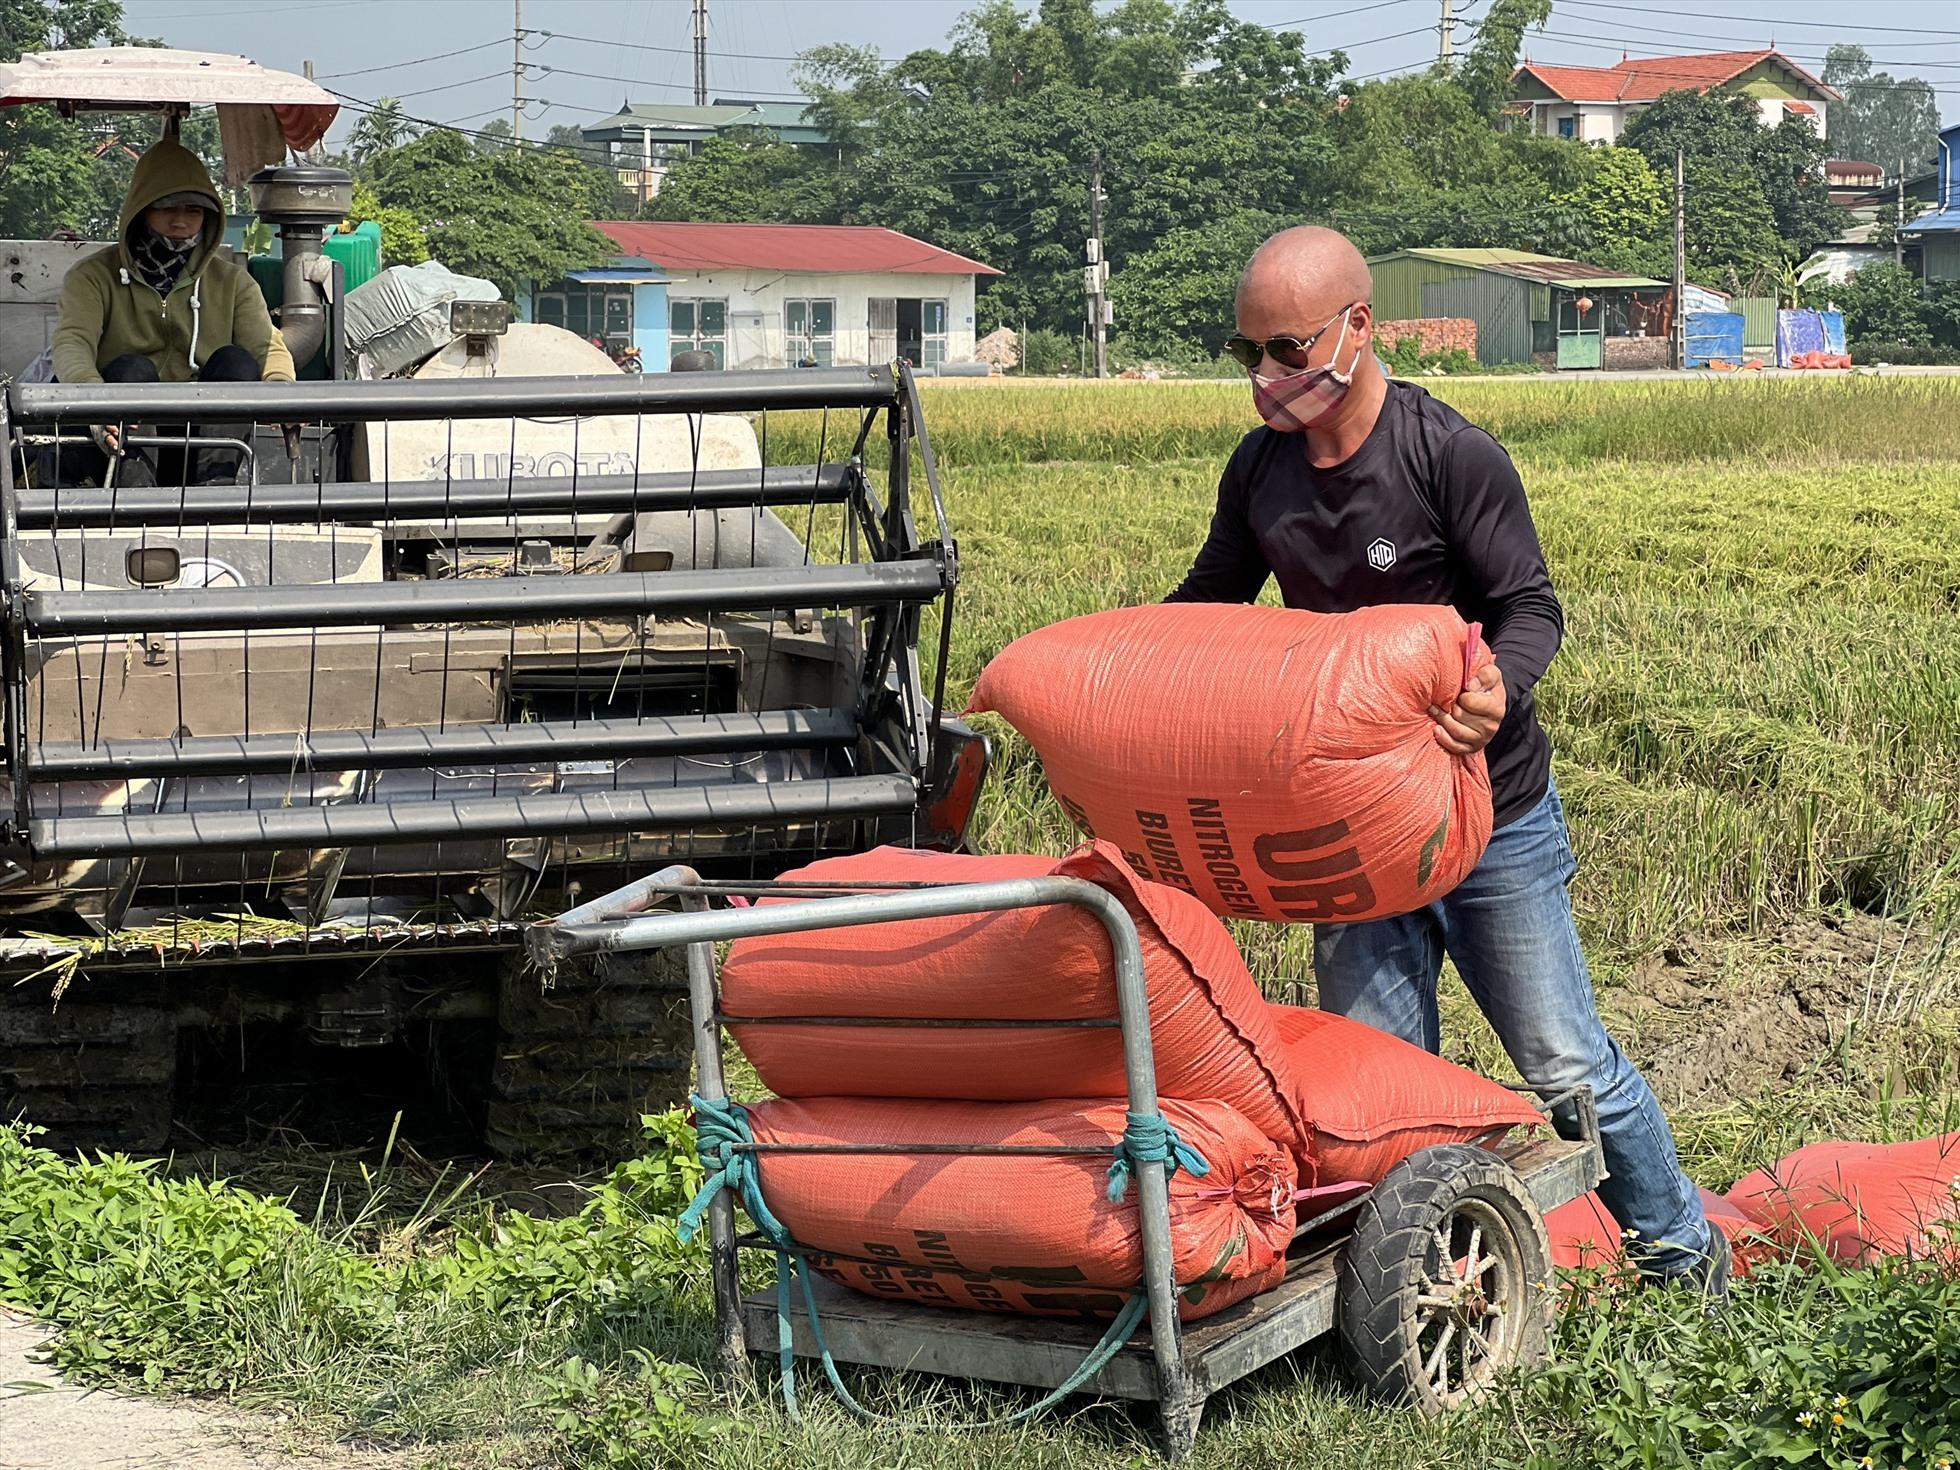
(1147, 1138)
(721, 1133)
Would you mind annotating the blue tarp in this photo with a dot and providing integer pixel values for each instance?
(1807, 331)
(1714, 336)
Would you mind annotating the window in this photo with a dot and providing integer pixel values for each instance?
(810, 331)
(1568, 127)
(932, 321)
(698, 324)
(589, 310)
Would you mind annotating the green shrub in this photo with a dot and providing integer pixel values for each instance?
(1809, 1364)
(1045, 352)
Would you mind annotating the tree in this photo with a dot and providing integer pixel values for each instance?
(1626, 213)
(1730, 228)
(567, 136)
(402, 240)
(1884, 120)
(513, 214)
(50, 175)
(744, 174)
(494, 134)
(1179, 291)
(382, 129)
(1785, 164)
(1485, 75)
(1882, 305)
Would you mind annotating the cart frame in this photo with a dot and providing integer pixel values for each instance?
(1182, 1366)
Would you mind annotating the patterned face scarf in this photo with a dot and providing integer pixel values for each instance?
(159, 261)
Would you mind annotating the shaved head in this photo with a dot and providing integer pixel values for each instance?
(1303, 275)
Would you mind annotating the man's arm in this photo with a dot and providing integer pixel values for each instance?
(79, 320)
(252, 329)
(1491, 535)
(1229, 567)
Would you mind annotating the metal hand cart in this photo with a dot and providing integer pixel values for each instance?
(1436, 1278)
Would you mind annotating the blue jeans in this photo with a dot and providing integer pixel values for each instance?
(1508, 927)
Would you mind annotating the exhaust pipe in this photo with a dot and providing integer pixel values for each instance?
(305, 201)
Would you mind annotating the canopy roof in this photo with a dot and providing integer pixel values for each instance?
(261, 113)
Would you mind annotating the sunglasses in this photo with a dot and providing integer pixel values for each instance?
(1286, 350)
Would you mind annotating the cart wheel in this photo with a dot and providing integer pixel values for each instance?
(1445, 1281)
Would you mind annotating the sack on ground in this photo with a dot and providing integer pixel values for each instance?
(1860, 1200)
(1022, 1233)
(1278, 764)
(1585, 1235)
(1211, 1030)
(1375, 1099)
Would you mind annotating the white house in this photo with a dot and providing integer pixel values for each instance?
(1593, 104)
(766, 295)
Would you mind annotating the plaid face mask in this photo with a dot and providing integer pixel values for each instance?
(1300, 400)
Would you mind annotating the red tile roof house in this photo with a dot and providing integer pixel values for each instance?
(1593, 104)
(767, 295)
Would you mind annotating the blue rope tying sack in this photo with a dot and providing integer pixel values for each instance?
(1149, 1137)
(722, 1128)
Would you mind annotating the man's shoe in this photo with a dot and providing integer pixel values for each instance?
(1709, 1272)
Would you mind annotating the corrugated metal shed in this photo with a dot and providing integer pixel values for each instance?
(1523, 264)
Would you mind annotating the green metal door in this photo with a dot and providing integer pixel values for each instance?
(1579, 332)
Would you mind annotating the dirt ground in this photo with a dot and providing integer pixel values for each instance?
(1735, 1018)
(48, 1425)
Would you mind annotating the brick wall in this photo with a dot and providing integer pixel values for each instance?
(1633, 354)
(1436, 333)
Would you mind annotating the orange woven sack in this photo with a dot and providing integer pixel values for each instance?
(1021, 1233)
(1861, 1200)
(1375, 1099)
(1278, 764)
(1210, 1027)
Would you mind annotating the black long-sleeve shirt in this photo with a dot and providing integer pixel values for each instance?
(1428, 510)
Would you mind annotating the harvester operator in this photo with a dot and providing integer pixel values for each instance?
(160, 305)
(1360, 491)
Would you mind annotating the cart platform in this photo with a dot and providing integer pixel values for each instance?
(1041, 1352)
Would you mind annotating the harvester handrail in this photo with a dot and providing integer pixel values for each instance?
(496, 600)
(308, 503)
(459, 398)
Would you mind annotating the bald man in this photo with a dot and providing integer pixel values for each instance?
(1360, 491)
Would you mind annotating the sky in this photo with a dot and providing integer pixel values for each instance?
(601, 51)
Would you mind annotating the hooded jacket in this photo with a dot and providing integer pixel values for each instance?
(107, 309)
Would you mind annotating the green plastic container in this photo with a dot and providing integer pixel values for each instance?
(359, 255)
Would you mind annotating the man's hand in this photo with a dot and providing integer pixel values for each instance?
(1479, 710)
(108, 437)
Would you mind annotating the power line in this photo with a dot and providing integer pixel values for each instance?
(1743, 43)
(565, 71)
(335, 76)
(1821, 25)
(1287, 25)
(448, 86)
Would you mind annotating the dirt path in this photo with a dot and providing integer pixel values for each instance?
(47, 1425)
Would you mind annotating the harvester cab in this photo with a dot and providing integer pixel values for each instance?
(293, 758)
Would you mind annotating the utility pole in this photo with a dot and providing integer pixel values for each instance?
(1095, 276)
(1678, 344)
(700, 53)
(517, 69)
(1899, 225)
(1446, 35)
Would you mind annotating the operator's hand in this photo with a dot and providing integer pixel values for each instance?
(1479, 710)
(108, 437)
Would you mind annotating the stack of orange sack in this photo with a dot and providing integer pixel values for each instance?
(1851, 1202)
(1820, 360)
(1272, 1103)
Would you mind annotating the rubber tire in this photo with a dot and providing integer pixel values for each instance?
(1383, 1261)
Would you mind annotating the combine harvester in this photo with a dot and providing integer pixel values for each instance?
(297, 756)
